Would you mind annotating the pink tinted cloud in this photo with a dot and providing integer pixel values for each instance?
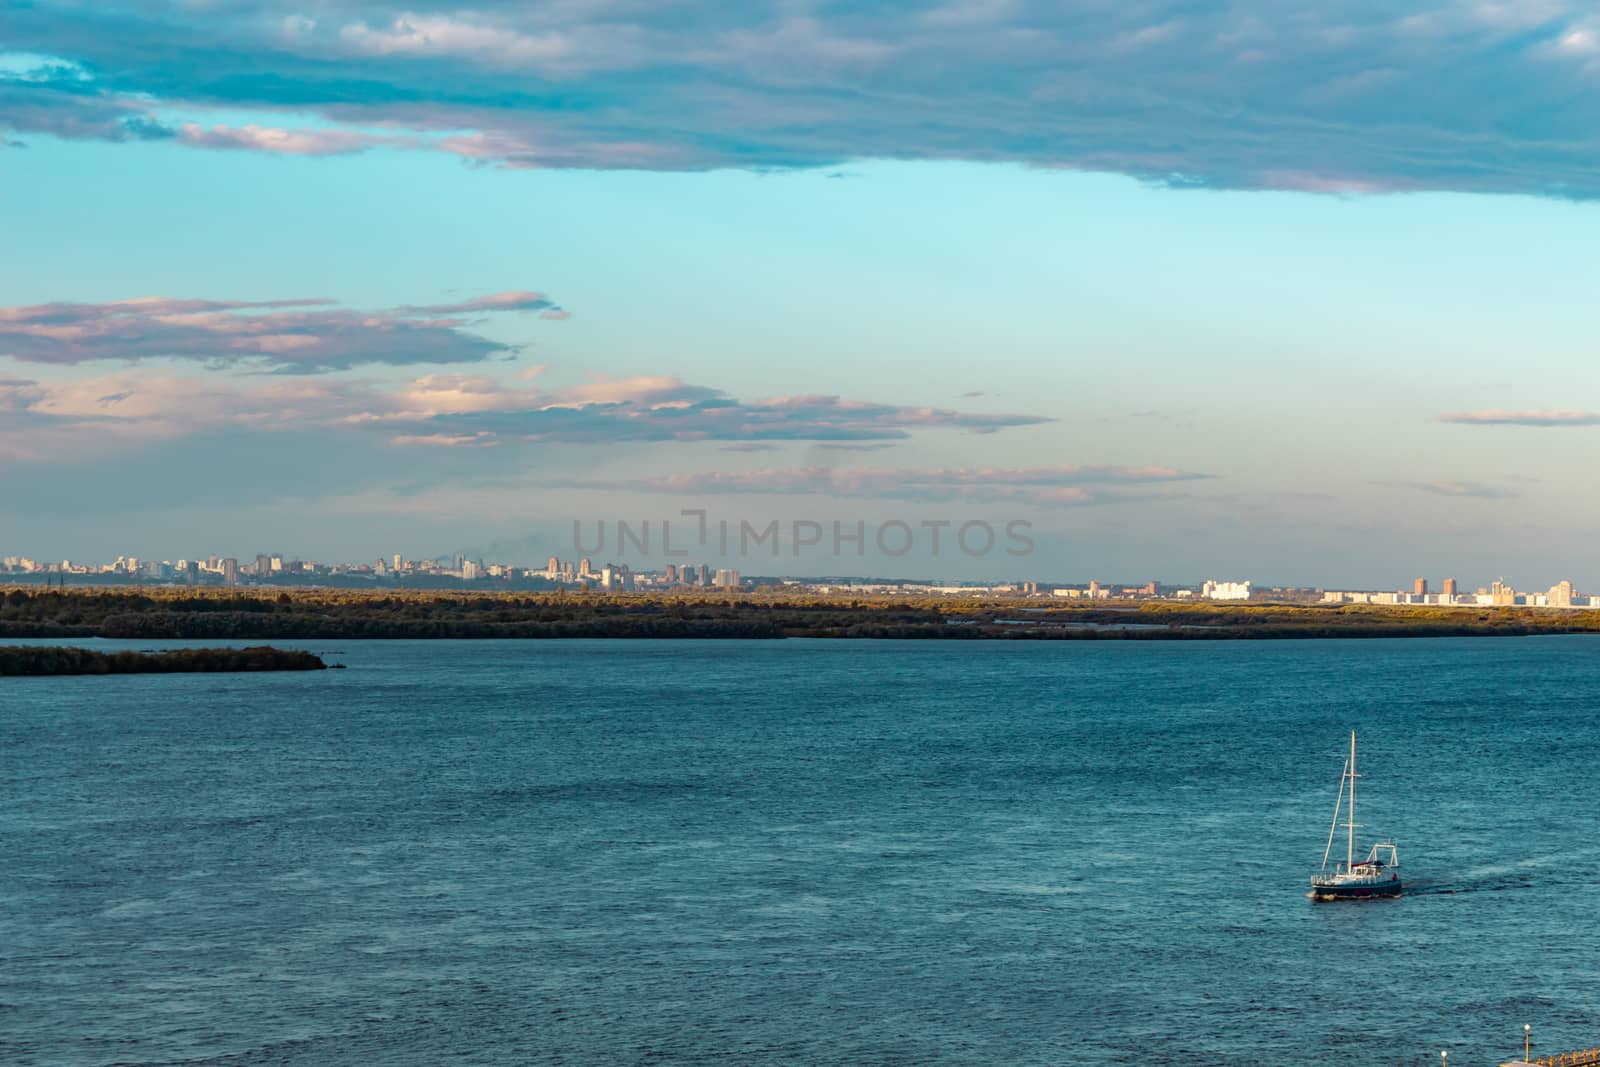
(282, 335)
(457, 410)
(1497, 417)
(279, 141)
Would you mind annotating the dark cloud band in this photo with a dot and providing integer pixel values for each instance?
(1344, 96)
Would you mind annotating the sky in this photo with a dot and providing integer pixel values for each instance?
(1290, 292)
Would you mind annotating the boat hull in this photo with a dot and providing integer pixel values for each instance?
(1357, 890)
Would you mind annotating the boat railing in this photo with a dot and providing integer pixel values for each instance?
(1380, 873)
(1588, 1057)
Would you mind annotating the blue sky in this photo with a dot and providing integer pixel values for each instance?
(1296, 294)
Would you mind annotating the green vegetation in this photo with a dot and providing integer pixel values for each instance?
(345, 614)
(37, 660)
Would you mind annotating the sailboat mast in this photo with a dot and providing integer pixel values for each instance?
(1350, 855)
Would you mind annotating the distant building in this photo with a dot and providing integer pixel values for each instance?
(1214, 590)
(1419, 587)
(671, 577)
(230, 571)
(1449, 587)
(471, 570)
(1560, 595)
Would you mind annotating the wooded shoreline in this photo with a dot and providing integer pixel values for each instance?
(233, 615)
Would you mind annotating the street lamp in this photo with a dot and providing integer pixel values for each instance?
(1444, 1058)
(1527, 1041)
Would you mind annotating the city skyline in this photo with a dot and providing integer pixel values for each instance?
(274, 570)
(510, 288)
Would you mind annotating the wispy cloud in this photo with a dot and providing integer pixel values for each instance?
(281, 335)
(1475, 490)
(668, 409)
(1063, 484)
(1252, 96)
(1496, 417)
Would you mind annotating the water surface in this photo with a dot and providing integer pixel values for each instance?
(800, 851)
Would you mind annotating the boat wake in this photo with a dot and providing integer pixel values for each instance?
(1423, 887)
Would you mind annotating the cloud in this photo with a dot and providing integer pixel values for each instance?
(856, 447)
(1346, 96)
(442, 411)
(668, 409)
(1063, 484)
(1457, 489)
(18, 395)
(280, 335)
(280, 141)
(1495, 417)
(512, 300)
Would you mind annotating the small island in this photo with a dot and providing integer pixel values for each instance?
(26, 660)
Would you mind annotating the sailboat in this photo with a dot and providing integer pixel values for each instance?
(1377, 875)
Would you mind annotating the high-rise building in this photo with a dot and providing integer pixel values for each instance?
(584, 567)
(1419, 587)
(1560, 595)
(672, 574)
(705, 574)
(1449, 587)
(471, 570)
(552, 567)
(263, 565)
(230, 571)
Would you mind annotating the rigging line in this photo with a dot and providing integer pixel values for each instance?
(1337, 804)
